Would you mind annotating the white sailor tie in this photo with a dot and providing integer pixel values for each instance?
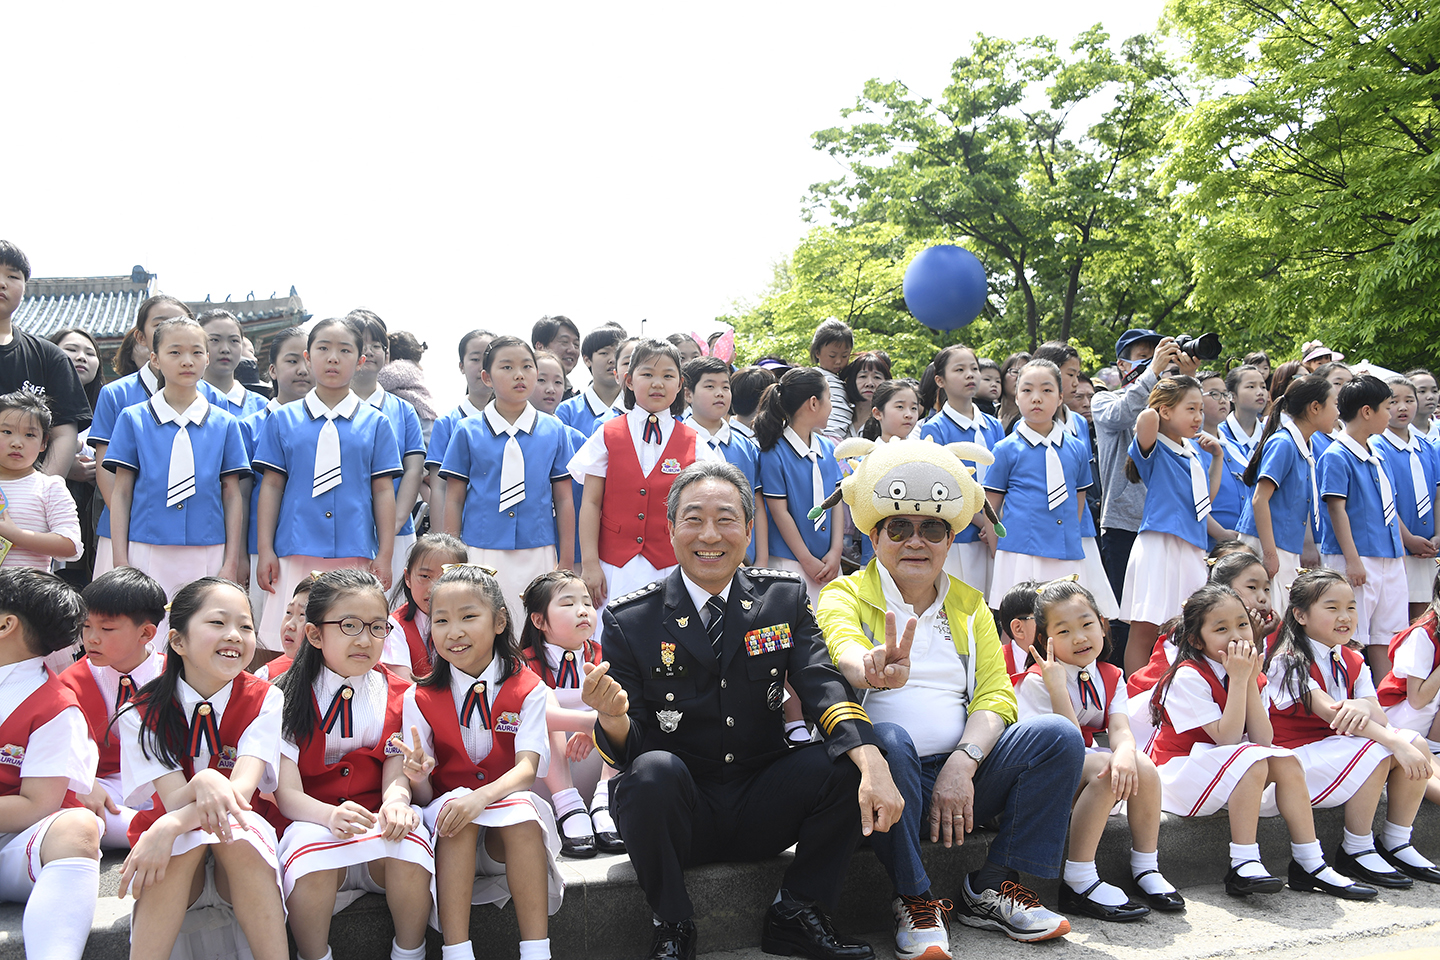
(1382, 479)
(1417, 471)
(512, 462)
(327, 444)
(817, 482)
(1309, 456)
(1056, 492)
(1199, 479)
(180, 484)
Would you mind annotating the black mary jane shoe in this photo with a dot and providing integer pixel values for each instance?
(673, 941)
(1075, 902)
(609, 842)
(1302, 880)
(582, 848)
(1170, 902)
(1350, 865)
(803, 929)
(1238, 886)
(1426, 874)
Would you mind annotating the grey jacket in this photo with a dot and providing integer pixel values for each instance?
(1113, 414)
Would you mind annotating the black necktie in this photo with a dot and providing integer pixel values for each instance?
(652, 429)
(715, 629)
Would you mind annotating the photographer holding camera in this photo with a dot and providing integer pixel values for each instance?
(1143, 357)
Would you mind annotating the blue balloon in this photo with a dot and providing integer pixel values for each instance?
(945, 287)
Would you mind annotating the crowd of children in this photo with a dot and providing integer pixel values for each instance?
(280, 693)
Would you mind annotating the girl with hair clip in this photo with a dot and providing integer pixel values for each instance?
(1415, 465)
(1071, 642)
(478, 740)
(347, 823)
(409, 640)
(1214, 748)
(507, 489)
(200, 740)
(178, 510)
(1180, 466)
(1241, 571)
(1410, 692)
(292, 632)
(1285, 508)
(327, 501)
(627, 467)
(556, 642)
(797, 472)
(1323, 706)
(290, 375)
(1244, 425)
(1231, 497)
(957, 372)
(477, 397)
(863, 376)
(1038, 478)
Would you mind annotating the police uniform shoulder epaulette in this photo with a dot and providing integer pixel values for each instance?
(769, 574)
(644, 591)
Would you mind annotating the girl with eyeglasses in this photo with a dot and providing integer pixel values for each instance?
(1233, 493)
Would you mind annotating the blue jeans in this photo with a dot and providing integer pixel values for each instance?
(1028, 780)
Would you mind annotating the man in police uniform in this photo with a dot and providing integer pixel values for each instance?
(689, 700)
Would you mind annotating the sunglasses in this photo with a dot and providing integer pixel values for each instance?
(899, 529)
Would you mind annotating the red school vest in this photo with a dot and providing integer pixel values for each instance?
(247, 696)
(1170, 743)
(34, 712)
(1295, 726)
(453, 767)
(1393, 689)
(1011, 667)
(1150, 674)
(1111, 676)
(279, 665)
(632, 514)
(590, 653)
(419, 650)
(78, 679)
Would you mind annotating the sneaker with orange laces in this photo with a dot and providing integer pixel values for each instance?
(1013, 910)
(922, 928)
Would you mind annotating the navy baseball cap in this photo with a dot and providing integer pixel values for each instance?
(1129, 338)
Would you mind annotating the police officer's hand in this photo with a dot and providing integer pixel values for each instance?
(888, 666)
(602, 693)
(880, 800)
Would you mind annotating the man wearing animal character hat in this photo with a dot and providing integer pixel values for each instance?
(689, 699)
(941, 702)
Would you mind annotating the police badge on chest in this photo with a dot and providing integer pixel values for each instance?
(669, 720)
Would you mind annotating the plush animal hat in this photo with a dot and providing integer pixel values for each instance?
(911, 477)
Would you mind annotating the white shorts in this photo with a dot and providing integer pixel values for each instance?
(401, 556)
(971, 563)
(1012, 568)
(308, 848)
(292, 571)
(1162, 573)
(1382, 602)
(812, 589)
(116, 824)
(20, 859)
(1284, 577)
(514, 570)
(490, 883)
(1200, 784)
(1420, 578)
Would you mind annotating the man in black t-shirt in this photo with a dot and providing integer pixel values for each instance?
(38, 366)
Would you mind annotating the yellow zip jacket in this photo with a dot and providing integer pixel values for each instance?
(852, 613)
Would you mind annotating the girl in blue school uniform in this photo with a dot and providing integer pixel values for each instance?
(1285, 507)
(327, 500)
(477, 396)
(1415, 465)
(1038, 478)
(506, 476)
(797, 472)
(225, 346)
(1244, 425)
(1230, 498)
(179, 512)
(290, 373)
(957, 372)
(894, 414)
(116, 395)
(1180, 466)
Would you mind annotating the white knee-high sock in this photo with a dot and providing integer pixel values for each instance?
(61, 908)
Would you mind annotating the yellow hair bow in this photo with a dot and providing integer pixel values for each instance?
(1072, 578)
(488, 571)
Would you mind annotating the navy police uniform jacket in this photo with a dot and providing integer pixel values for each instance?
(722, 716)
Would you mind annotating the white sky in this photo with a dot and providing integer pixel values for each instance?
(454, 166)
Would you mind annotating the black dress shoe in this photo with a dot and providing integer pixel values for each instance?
(580, 848)
(1072, 901)
(607, 842)
(1302, 879)
(674, 941)
(1427, 874)
(1238, 886)
(1350, 865)
(1170, 902)
(803, 929)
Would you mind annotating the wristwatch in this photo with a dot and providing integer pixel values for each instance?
(972, 751)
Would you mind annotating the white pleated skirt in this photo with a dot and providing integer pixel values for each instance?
(971, 563)
(1092, 575)
(1012, 568)
(514, 571)
(1200, 784)
(1163, 571)
(1284, 577)
(308, 848)
(1420, 578)
(1335, 768)
(812, 588)
(292, 571)
(1403, 716)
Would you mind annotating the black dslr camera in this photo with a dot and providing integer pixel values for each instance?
(1204, 347)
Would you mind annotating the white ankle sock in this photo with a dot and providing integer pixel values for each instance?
(398, 952)
(565, 801)
(600, 817)
(458, 951)
(1240, 853)
(329, 955)
(796, 731)
(1312, 860)
(61, 908)
(1081, 875)
(1394, 837)
(535, 949)
(1151, 882)
(1362, 848)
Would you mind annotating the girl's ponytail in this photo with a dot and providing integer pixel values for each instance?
(780, 401)
(1301, 392)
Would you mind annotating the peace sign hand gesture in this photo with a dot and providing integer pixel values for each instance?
(888, 666)
(417, 763)
(1052, 671)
